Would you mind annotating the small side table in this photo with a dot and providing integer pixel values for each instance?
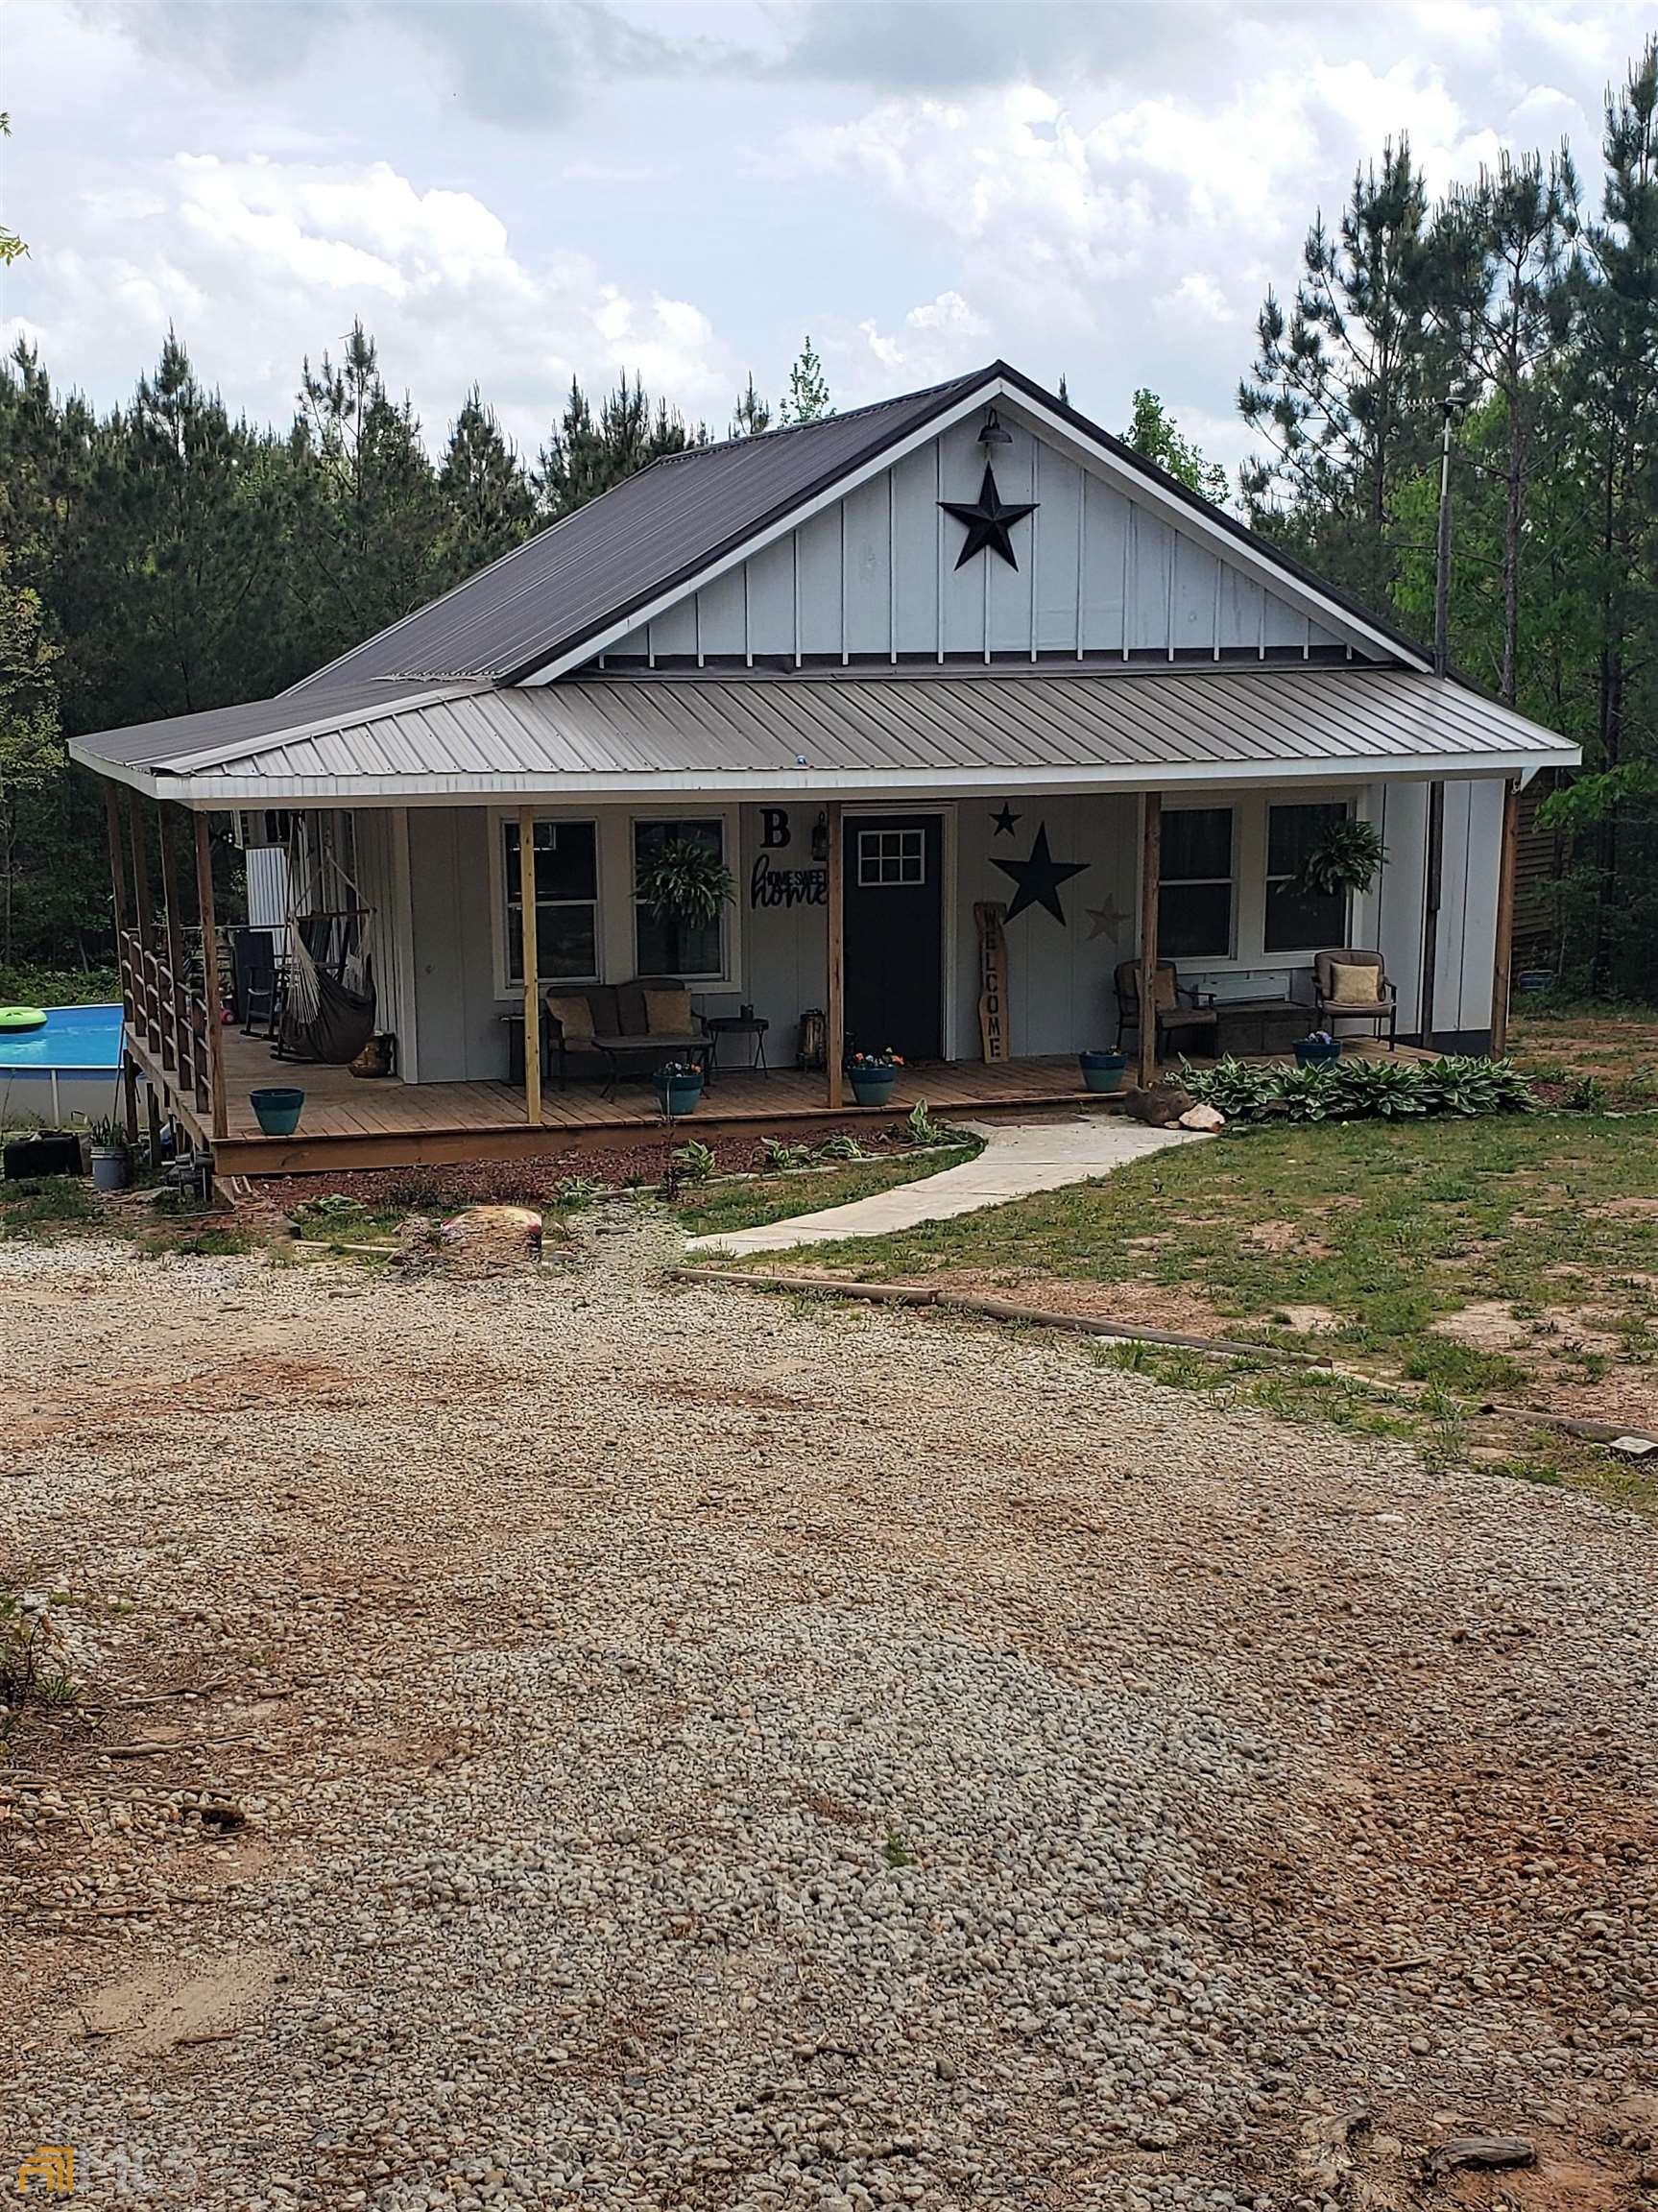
(740, 1025)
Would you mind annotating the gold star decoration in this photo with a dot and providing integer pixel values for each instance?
(1107, 919)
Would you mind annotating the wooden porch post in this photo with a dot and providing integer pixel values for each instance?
(140, 866)
(176, 1007)
(834, 995)
(129, 1098)
(532, 982)
(1150, 875)
(118, 888)
(210, 976)
(1505, 951)
(117, 863)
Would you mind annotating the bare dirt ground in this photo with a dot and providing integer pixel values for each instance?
(569, 1741)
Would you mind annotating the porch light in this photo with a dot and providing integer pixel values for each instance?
(993, 433)
(820, 836)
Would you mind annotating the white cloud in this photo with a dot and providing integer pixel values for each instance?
(938, 339)
(258, 261)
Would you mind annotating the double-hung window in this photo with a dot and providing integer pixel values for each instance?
(665, 943)
(1298, 919)
(1195, 892)
(566, 857)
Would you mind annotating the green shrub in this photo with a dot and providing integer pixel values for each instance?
(1359, 1089)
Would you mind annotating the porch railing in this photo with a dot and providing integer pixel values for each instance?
(167, 1015)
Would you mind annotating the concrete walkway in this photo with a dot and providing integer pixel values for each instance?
(1017, 1160)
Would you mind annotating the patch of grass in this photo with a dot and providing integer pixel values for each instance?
(34, 1209)
(896, 1850)
(1438, 1428)
(731, 1206)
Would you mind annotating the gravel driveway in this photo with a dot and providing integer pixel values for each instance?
(569, 1741)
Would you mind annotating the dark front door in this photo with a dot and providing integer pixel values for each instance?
(894, 940)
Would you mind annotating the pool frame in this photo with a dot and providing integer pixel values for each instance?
(107, 1079)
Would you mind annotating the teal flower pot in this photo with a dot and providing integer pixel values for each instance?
(1307, 1054)
(1102, 1070)
(277, 1110)
(874, 1088)
(679, 1097)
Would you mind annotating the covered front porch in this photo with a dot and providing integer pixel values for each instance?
(383, 1122)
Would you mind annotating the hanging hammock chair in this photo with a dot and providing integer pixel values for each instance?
(325, 1016)
(328, 1004)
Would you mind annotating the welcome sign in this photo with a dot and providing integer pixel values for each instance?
(990, 916)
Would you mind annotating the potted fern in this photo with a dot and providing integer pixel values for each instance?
(1348, 857)
(685, 883)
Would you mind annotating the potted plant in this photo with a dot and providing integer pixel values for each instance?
(872, 1077)
(1348, 857)
(678, 1088)
(686, 882)
(1102, 1070)
(276, 1109)
(111, 1157)
(1319, 1051)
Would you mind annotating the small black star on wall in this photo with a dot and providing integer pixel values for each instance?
(1004, 819)
(1039, 878)
(989, 524)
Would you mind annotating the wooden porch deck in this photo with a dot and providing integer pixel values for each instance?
(351, 1121)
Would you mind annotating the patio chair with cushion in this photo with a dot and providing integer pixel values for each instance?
(649, 1019)
(1352, 985)
(1175, 1009)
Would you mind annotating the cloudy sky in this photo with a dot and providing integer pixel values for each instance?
(511, 190)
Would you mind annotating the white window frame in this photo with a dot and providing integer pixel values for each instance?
(729, 976)
(1249, 825)
(900, 882)
(1208, 805)
(1297, 953)
(501, 929)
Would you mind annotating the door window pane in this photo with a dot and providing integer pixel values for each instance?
(1195, 894)
(890, 856)
(669, 943)
(1300, 921)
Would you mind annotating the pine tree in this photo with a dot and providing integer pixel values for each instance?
(1345, 389)
(807, 397)
(1614, 806)
(751, 414)
(1502, 286)
(584, 455)
(198, 546)
(1153, 433)
(367, 515)
(489, 506)
(31, 749)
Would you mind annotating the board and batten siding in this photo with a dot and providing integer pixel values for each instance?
(875, 575)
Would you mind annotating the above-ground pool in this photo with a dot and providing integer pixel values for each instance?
(71, 1066)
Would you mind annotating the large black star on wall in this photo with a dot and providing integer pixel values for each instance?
(1039, 878)
(989, 524)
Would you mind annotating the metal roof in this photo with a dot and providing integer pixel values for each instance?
(633, 542)
(663, 528)
(146, 743)
(937, 727)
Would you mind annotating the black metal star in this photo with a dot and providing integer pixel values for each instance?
(1004, 821)
(1039, 878)
(989, 524)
